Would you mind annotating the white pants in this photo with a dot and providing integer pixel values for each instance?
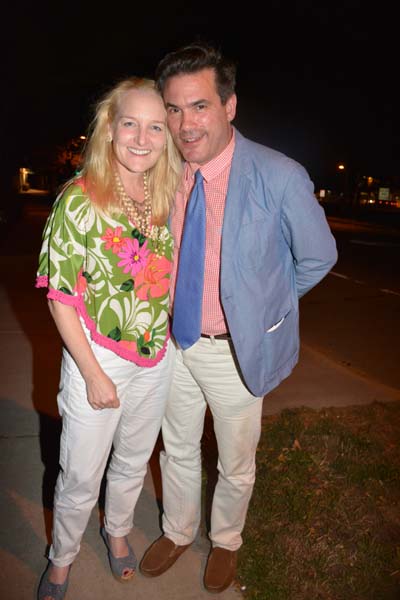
(86, 440)
(205, 374)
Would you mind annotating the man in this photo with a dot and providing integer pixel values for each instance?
(267, 242)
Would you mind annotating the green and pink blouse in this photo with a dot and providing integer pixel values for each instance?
(117, 279)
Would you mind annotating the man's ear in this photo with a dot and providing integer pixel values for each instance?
(230, 107)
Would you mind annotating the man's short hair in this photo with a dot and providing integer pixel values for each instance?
(196, 57)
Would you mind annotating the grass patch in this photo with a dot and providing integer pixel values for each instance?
(324, 519)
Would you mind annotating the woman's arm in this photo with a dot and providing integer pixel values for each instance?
(101, 391)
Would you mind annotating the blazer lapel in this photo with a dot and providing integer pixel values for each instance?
(237, 194)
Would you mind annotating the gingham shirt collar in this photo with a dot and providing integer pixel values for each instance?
(214, 167)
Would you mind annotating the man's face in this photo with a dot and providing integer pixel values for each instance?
(200, 124)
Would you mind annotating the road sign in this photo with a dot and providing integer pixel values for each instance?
(384, 194)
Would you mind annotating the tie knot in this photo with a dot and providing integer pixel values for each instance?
(198, 177)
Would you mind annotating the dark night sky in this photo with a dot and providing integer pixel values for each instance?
(316, 80)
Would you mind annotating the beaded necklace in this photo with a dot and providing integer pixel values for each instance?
(159, 235)
(141, 217)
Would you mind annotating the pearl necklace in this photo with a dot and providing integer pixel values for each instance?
(140, 217)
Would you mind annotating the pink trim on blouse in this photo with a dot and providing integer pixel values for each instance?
(98, 338)
(41, 281)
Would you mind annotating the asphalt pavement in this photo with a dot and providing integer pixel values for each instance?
(29, 429)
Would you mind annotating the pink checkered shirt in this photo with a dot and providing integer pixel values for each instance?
(216, 176)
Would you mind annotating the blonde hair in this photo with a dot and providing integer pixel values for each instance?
(98, 158)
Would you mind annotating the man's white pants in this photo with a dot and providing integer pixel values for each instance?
(86, 441)
(205, 374)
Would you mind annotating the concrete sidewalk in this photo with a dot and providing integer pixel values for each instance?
(319, 382)
(29, 427)
(30, 351)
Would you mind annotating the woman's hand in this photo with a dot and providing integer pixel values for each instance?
(101, 392)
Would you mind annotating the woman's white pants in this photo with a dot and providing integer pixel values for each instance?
(87, 438)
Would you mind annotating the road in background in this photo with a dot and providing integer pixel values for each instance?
(353, 315)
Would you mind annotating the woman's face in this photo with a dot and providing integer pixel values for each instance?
(138, 131)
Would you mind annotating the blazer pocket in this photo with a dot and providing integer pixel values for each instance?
(277, 320)
(271, 329)
(281, 341)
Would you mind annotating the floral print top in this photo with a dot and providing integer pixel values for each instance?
(117, 279)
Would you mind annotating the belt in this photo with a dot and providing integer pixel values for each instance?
(219, 336)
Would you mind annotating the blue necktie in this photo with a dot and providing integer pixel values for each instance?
(188, 298)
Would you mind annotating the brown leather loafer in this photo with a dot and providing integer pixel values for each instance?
(161, 555)
(220, 570)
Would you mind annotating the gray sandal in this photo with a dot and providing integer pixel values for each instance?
(119, 565)
(46, 588)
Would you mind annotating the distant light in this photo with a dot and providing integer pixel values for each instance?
(341, 167)
(82, 137)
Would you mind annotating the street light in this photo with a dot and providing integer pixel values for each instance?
(345, 183)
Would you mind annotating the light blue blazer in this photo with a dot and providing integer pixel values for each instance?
(276, 246)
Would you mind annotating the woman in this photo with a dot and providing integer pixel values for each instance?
(106, 260)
